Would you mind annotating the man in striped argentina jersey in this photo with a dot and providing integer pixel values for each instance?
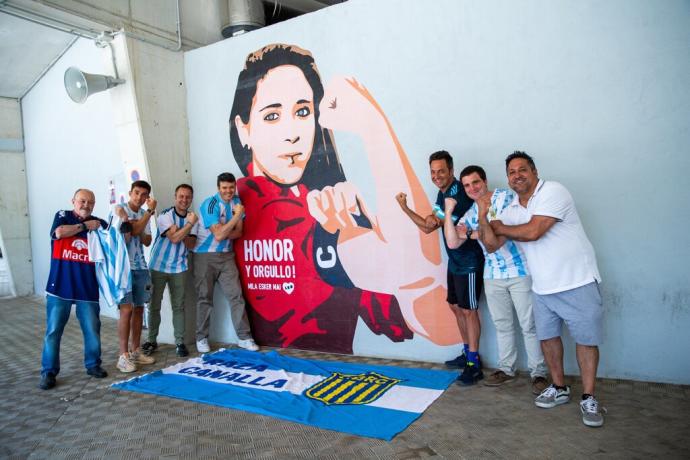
(214, 260)
(176, 233)
(132, 306)
(507, 282)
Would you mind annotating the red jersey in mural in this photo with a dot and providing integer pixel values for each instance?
(297, 291)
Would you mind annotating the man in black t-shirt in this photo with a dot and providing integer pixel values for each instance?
(465, 264)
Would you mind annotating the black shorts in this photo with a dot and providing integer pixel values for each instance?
(465, 290)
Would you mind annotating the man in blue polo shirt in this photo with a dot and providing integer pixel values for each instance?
(176, 233)
(72, 280)
(465, 264)
(507, 283)
(214, 260)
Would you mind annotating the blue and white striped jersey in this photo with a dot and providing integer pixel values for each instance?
(508, 261)
(166, 256)
(108, 249)
(134, 247)
(214, 211)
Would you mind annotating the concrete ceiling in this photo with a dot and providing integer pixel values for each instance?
(29, 49)
(26, 51)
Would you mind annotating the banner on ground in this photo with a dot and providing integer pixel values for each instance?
(365, 400)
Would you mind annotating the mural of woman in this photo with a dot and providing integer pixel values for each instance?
(313, 259)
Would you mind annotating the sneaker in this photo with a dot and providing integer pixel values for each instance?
(138, 357)
(202, 346)
(498, 378)
(181, 350)
(457, 363)
(248, 344)
(552, 397)
(125, 364)
(470, 375)
(591, 412)
(47, 381)
(97, 371)
(149, 347)
(539, 384)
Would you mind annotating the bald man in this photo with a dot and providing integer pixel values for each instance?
(72, 280)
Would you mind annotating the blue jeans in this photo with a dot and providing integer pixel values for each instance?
(57, 314)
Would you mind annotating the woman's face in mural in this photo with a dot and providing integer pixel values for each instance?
(281, 127)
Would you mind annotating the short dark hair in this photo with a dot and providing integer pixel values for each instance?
(442, 155)
(141, 184)
(471, 169)
(187, 186)
(520, 154)
(225, 177)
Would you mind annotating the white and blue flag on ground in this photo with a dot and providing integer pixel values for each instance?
(365, 400)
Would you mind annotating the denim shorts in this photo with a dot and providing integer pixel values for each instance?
(141, 289)
(579, 308)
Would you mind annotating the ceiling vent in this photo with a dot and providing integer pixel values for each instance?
(243, 16)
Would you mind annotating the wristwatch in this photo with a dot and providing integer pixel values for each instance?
(83, 227)
(469, 233)
(151, 211)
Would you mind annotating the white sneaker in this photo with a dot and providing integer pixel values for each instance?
(248, 344)
(591, 413)
(125, 364)
(137, 357)
(202, 346)
(552, 397)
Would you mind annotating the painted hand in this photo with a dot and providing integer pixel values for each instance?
(341, 208)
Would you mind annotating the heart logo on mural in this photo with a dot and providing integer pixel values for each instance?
(288, 287)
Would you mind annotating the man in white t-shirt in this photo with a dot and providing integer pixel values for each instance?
(565, 279)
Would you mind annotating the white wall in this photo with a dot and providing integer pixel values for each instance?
(595, 91)
(14, 219)
(68, 146)
(140, 125)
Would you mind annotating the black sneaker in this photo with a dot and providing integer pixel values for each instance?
(181, 350)
(149, 347)
(97, 372)
(457, 363)
(471, 375)
(47, 381)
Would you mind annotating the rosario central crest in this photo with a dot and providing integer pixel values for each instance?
(351, 388)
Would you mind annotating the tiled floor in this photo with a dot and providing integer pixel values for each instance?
(83, 418)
